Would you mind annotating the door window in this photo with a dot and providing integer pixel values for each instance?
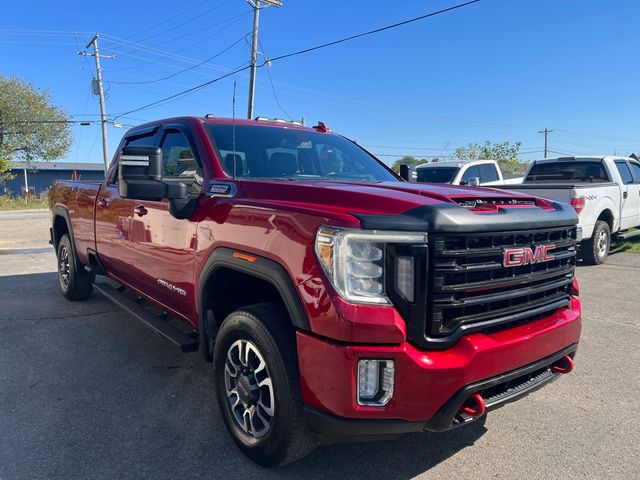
(488, 173)
(625, 173)
(470, 173)
(635, 169)
(179, 162)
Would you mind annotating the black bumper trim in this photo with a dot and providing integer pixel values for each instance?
(330, 428)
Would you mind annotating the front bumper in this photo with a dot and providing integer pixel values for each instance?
(430, 386)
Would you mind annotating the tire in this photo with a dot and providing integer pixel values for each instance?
(596, 249)
(75, 282)
(264, 388)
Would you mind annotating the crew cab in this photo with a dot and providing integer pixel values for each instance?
(605, 192)
(335, 301)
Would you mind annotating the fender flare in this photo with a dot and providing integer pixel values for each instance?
(264, 269)
(60, 211)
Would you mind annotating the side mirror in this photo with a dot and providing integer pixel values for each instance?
(140, 176)
(473, 182)
(406, 172)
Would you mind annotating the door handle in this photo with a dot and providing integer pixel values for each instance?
(140, 211)
(625, 194)
(102, 203)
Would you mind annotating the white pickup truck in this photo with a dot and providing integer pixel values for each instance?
(461, 172)
(605, 192)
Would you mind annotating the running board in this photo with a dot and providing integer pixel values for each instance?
(181, 340)
(628, 235)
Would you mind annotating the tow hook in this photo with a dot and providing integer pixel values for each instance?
(474, 406)
(564, 365)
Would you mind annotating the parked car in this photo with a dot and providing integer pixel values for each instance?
(605, 192)
(462, 172)
(336, 301)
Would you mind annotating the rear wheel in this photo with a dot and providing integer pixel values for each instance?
(596, 250)
(75, 282)
(257, 385)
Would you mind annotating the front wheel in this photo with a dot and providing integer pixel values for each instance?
(257, 385)
(75, 282)
(596, 249)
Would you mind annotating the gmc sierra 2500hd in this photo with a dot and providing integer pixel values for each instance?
(335, 300)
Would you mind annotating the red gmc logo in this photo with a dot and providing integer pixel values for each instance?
(515, 257)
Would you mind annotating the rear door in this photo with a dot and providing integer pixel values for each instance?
(114, 214)
(162, 246)
(630, 191)
(635, 171)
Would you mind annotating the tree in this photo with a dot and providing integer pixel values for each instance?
(408, 160)
(31, 127)
(506, 154)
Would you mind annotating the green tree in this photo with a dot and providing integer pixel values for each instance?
(506, 154)
(31, 127)
(408, 160)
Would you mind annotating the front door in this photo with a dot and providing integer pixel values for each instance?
(163, 247)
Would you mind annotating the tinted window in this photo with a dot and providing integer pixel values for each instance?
(635, 169)
(624, 171)
(470, 173)
(178, 161)
(272, 152)
(436, 174)
(570, 171)
(488, 173)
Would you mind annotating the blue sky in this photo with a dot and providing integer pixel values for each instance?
(496, 70)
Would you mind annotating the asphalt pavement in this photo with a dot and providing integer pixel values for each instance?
(86, 392)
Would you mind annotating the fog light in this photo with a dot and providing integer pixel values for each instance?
(375, 382)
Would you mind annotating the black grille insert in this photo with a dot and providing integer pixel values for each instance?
(469, 288)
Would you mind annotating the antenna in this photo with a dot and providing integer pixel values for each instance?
(233, 137)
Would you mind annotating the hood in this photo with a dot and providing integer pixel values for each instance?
(414, 206)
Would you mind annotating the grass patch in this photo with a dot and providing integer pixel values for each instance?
(15, 203)
(630, 246)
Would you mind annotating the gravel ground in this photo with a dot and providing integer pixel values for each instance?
(86, 392)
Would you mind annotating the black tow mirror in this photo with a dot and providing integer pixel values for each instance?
(407, 172)
(140, 176)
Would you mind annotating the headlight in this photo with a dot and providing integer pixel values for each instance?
(355, 261)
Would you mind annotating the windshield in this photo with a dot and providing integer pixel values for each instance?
(436, 174)
(571, 171)
(277, 152)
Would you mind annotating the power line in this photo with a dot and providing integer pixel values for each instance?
(185, 69)
(377, 30)
(299, 52)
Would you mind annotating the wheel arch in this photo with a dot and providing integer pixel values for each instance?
(262, 280)
(61, 224)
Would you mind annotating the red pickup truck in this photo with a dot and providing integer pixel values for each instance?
(335, 300)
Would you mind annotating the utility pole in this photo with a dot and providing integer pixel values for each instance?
(546, 132)
(103, 115)
(255, 4)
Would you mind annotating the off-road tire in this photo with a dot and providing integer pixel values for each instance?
(268, 328)
(75, 282)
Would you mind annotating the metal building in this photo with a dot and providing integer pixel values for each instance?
(38, 176)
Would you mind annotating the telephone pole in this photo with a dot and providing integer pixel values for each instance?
(103, 115)
(256, 5)
(546, 132)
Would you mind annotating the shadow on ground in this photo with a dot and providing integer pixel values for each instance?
(89, 393)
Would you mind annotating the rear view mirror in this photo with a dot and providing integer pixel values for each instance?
(140, 175)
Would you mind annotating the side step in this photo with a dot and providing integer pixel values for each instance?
(181, 340)
(627, 235)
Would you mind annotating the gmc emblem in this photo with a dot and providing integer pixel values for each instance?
(516, 257)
